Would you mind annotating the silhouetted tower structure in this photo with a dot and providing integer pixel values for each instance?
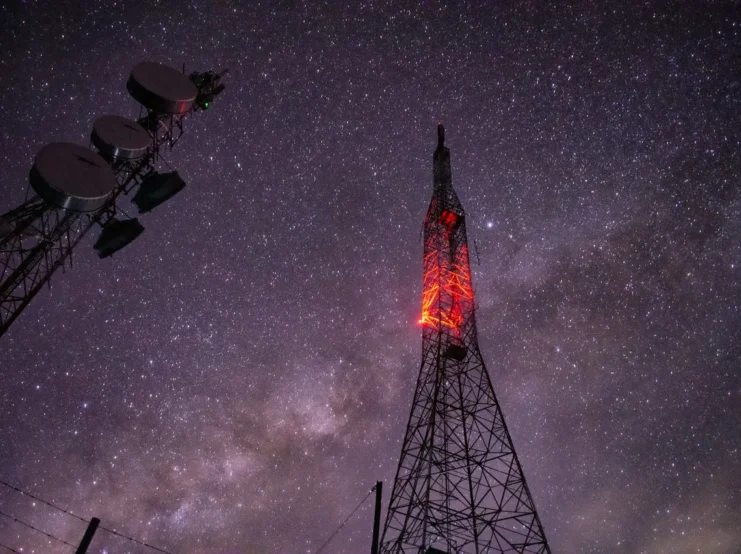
(76, 188)
(459, 486)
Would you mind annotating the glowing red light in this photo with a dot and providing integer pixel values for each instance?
(449, 219)
(446, 292)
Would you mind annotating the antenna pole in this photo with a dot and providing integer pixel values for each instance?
(88, 537)
(377, 517)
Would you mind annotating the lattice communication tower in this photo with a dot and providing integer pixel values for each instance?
(459, 487)
(77, 188)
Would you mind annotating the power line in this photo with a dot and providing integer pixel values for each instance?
(35, 529)
(8, 548)
(69, 513)
(111, 531)
(345, 521)
(43, 501)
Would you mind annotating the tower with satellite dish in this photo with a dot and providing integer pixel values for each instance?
(459, 486)
(75, 189)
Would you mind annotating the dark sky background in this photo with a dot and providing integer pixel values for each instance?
(237, 379)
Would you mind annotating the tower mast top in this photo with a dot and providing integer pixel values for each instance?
(441, 158)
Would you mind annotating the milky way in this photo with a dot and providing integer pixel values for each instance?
(238, 378)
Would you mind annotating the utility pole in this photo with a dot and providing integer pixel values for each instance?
(377, 517)
(88, 537)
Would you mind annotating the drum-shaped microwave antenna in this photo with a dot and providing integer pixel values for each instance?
(117, 137)
(157, 188)
(161, 88)
(72, 177)
(117, 234)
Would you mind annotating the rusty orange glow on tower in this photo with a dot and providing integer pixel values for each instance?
(459, 486)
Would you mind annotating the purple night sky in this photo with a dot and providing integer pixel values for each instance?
(237, 379)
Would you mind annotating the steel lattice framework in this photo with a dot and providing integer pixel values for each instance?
(40, 239)
(459, 486)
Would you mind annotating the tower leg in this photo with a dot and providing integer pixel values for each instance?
(39, 241)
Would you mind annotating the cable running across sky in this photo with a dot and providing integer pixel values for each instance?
(69, 513)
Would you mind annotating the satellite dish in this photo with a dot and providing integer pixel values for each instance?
(72, 177)
(117, 137)
(161, 88)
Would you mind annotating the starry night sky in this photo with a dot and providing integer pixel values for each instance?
(237, 379)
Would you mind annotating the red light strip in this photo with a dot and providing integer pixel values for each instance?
(452, 281)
